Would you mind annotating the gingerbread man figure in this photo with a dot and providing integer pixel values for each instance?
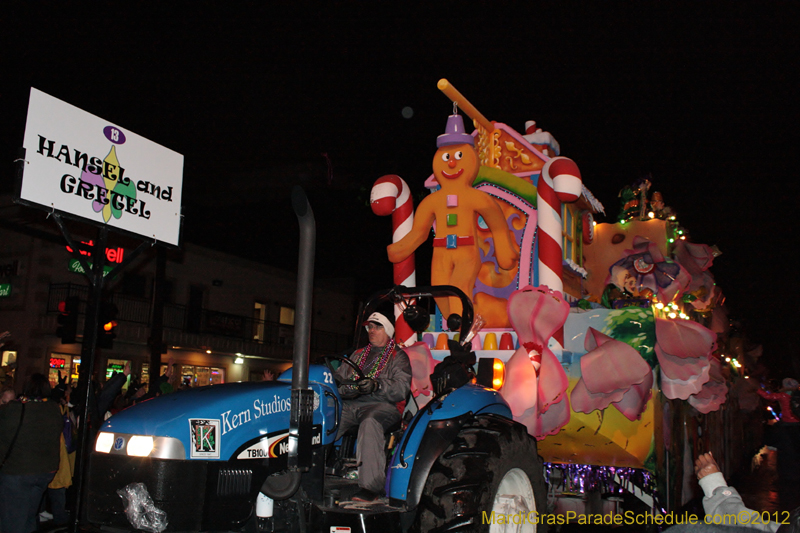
(454, 210)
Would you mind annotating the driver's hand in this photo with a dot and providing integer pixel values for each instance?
(367, 385)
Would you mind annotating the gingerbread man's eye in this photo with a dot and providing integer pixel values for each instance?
(459, 155)
(446, 156)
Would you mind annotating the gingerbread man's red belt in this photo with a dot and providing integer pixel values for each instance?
(452, 241)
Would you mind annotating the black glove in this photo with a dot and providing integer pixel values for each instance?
(367, 386)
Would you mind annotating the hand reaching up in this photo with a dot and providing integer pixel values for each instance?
(705, 465)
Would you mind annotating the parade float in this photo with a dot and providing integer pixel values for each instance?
(601, 355)
(611, 336)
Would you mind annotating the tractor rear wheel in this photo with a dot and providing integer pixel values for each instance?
(489, 480)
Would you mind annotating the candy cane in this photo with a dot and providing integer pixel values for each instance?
(560, 182)
(390, 195)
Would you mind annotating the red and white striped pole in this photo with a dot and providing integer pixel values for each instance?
(560, 182)
(390, 195)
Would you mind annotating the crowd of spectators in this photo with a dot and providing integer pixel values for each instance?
(39, 432)
(31, 433)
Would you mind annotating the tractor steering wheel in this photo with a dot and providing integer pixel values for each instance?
(359, 373)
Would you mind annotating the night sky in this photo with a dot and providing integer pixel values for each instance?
(697, 95)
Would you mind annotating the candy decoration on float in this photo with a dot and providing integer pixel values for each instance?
(441, 342)
(490, 341)
(560, 182)
(390, 195)
(506, 341)
(427, 338)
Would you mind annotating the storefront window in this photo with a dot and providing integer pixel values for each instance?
(9, 357)
(68, 365)
(114, 365)
(203, 376)
(117, 366)
(194, 376)
(217, 375)
(146, 372)
(188, 376)
(60, 362)
(209, 376)
(76, 369)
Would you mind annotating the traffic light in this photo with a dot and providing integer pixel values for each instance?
(107, 325)
(68, 320)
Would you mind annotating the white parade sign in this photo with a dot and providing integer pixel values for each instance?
(80, 164)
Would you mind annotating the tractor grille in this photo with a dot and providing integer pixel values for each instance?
(233, 482)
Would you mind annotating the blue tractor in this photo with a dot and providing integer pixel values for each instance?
(263, 457)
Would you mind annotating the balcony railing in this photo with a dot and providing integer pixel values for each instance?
(180, 321)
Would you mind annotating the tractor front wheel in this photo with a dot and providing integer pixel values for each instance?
(488, 480)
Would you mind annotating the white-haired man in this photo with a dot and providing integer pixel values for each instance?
(371, 404)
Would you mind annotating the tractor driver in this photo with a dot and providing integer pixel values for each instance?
(371, 404)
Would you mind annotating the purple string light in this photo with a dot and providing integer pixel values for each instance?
(579, 479)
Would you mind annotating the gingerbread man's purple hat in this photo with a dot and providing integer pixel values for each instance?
(454, 133)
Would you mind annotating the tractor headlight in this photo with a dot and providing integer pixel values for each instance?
(140, 446)
(104, 442)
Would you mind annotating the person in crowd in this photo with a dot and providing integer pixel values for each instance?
(159, 385)
(7, 394)
(141, 394)
(175, 378)
(126, 398)
(370, 404)
(6, 372)
(136, 390)
(30, 437)
(722, 500)
(57, 489)
(722, 503)
(101, 399)
(787, 441)
(784, 398)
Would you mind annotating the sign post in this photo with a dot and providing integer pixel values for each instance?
(78, 166)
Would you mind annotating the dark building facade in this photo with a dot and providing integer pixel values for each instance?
(224, 318)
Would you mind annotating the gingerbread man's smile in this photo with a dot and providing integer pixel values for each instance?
(451, 176)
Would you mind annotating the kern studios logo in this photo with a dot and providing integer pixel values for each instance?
(204, 435)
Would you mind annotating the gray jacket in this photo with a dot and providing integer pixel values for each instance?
(724, 505)
(394, 382)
